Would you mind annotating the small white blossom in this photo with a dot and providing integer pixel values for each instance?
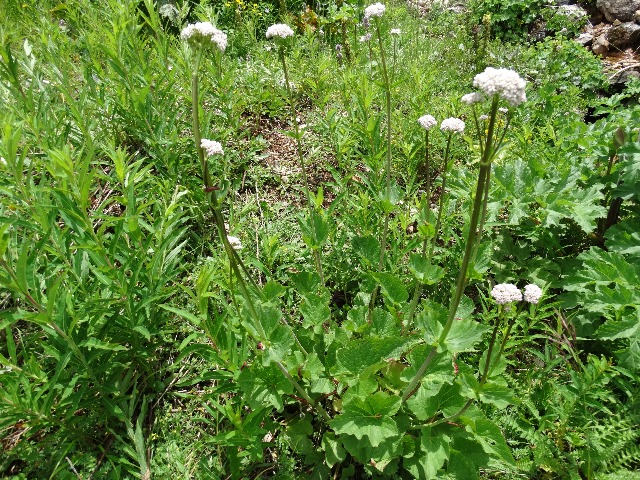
(211, 147)
(483, 117)
(204, 33)
(532, 293)
(279, 30)
(503, 110)
(234, 242)
(395, 31)
(454, 125)
(375, 10)
(471, 98)
(502, 82)
(3, 162)
(365, 38)
(505, 293)
(427, 121)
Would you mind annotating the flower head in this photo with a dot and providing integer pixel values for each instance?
(395, 31)
(532, 293)
(502, 82)
(234, 242)
(471, 98)
(204, 33)
(211, 147)
(427, 121)
(375, 10)
(505, 293)
(279, 30)
(454, 125)
(365, 38)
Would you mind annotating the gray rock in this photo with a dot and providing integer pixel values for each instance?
(624, 76)
(600, 46)
(572, 11)
(623, 10)
(624, 35)
(585, 39)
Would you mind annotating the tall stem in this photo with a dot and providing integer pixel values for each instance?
(231, 254)
(312, 213)
(387, 203)
(485, 165)
(442, 195)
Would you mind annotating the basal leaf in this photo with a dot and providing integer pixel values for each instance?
(370, 418)
(464, 335)
(363, 353)
(264, 385)
(368, 249)
(424, 271)
(392, 287)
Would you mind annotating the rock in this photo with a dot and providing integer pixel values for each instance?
(637, 16)
(624, 76)
(600, 46)
(585, 39)
(573, 12)
(623, 10)
(624, 35)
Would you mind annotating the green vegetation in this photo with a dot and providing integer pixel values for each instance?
(335, 289)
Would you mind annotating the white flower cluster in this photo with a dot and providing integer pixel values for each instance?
(427, 121)
(365, 38)
(471, 98)
(234, 242)
(279, 30)
(375, 10)
(204, 33)
(211, 147)
(532, 293)
(505, 293)
(395, 31)
(502, 82)
(454, 125)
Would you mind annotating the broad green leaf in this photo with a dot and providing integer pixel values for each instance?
(460, 467)
(359, 355)
(628, 327)
(624, 238)
(315, 311)
(496, 394)
(264, 385)
(370, 418)
(383, 324)
(392, 287)
(368, 249)
(431, 399)
(424, 271)
(279, 339)
(488, 434)
(334, 453)
(464, 335)
(430, 456)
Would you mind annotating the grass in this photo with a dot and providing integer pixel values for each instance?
(126, 349)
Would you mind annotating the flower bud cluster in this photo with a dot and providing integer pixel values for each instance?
(204, 33)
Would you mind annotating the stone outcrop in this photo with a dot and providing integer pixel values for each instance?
(622, 10)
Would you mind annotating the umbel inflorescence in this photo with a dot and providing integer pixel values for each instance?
(505, 83)
(504, 293)
(204, 34)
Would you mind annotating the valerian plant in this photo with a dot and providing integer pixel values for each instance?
(393, 387)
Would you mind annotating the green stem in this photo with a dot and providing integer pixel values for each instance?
(316, 248)
(485, 165)
(442, 195)
(231, 254)
(385, 229)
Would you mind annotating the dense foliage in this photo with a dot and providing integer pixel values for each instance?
(335, 289)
